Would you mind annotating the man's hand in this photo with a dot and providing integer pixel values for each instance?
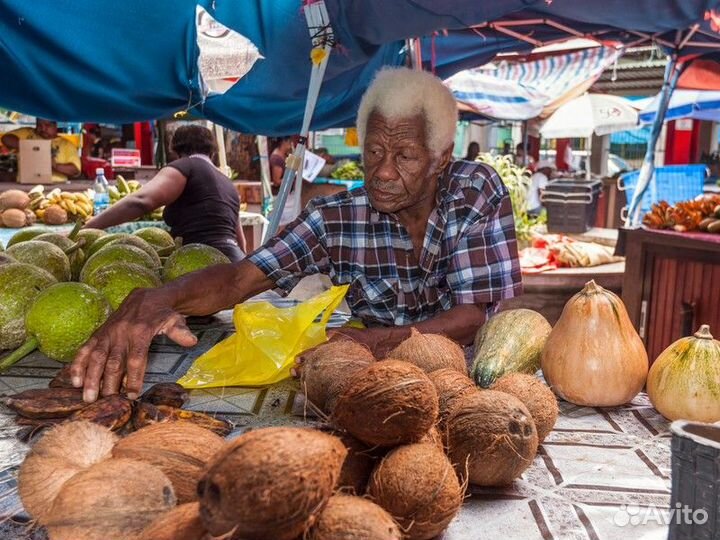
(121, 345)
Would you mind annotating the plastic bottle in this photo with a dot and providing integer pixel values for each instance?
(102, 198)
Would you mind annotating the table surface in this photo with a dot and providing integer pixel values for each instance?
(593, 467)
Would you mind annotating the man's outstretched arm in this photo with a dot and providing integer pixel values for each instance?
(120, 346)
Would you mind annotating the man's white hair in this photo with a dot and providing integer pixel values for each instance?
(403, 93)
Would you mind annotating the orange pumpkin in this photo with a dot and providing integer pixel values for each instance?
(594, 356)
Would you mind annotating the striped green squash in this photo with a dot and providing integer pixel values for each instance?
(510, 342)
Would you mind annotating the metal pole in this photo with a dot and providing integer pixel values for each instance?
(526, 144)
(267, 198)
(587, 158)
(222, 153)
(672, 73)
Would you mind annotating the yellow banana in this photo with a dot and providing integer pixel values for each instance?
(122, 185)
(71, 207)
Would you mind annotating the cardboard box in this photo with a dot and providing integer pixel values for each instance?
(34, 162)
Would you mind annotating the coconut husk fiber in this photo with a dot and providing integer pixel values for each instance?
(116, 498)
(450, 386)
(353, 518)
(270, 483)
(180, 523)
(418, 487)
(180, 449)
(327, 368)
(491, 438)
(357, 467)
(431, 352)
(388, 403)
(60, 454)
(535, 395)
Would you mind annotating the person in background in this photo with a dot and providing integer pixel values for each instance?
(65, 159)
(473, 150)
(201, 203)
(330, 164)
(538, 182)
(283, 148)
(523, 159)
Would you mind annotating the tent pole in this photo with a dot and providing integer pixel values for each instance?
(672, 73)
(267, 198)
(222, 154)
(587, 158)
(526, 144)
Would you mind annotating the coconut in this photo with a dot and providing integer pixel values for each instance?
(417, 485)
(270, 483)
(357, 467)
(180, 449)
(326, 369)
(430, 352)
(491, 438)
(181, 523)
(62, 452)
(14, 199)
(353, 518)
(55, 215)
(433, 437)
(14, 218)
(116, 498)
(388, 403)
(450, 386)
(535, 395)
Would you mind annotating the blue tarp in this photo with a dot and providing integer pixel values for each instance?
(102, 60)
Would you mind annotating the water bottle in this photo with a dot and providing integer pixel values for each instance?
(102, 198)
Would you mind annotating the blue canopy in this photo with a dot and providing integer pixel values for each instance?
(108, 61)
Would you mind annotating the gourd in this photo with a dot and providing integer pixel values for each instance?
(594, 356)
(684, 381)
(510, 342)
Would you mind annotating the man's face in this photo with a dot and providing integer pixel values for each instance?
(46, 129)
(399, 169)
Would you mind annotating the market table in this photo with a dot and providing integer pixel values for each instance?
(593, 467)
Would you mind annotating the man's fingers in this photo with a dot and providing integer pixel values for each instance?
(114, 370)
(176, 329)
(94, 370)
(136, 363)
(80, 363)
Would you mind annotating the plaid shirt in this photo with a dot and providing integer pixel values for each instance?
(469, 254)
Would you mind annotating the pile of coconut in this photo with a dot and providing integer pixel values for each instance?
(408, 434)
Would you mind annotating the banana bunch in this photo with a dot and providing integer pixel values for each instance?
(127, 187)
(77, 204)
(123, 188)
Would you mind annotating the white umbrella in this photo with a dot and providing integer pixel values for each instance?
(601, 114)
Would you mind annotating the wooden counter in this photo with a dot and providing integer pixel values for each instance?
(548, 292)
(671, 285)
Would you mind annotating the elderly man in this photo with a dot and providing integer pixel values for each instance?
(65, 159)
(427, 243)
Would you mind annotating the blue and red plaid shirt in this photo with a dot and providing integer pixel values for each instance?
(469, 254)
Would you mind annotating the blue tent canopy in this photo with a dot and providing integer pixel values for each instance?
(100, 60)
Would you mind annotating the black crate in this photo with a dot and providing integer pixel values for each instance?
(571, 205)
(695, 480)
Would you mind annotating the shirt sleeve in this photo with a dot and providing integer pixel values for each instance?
(298, 251)
(485, 268)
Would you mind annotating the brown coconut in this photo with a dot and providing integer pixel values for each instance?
(357, 467)
(430, 352)
(14, 199)
(535, 395)
(55, 215)
(60, 454)
(180, 523)
(327, 368)
(14, 218)
(116, 498)
(270, 483)
(180, 449)
(450, 386)
(353, 518)
(388, 403)
(418, 487)
(491, 438)
(433, 437)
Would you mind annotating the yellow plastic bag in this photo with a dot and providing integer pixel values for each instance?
(265, 344)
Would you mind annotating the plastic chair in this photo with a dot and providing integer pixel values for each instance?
(673, 184)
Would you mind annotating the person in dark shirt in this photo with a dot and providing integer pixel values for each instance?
(278, 156)
(201, 204)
